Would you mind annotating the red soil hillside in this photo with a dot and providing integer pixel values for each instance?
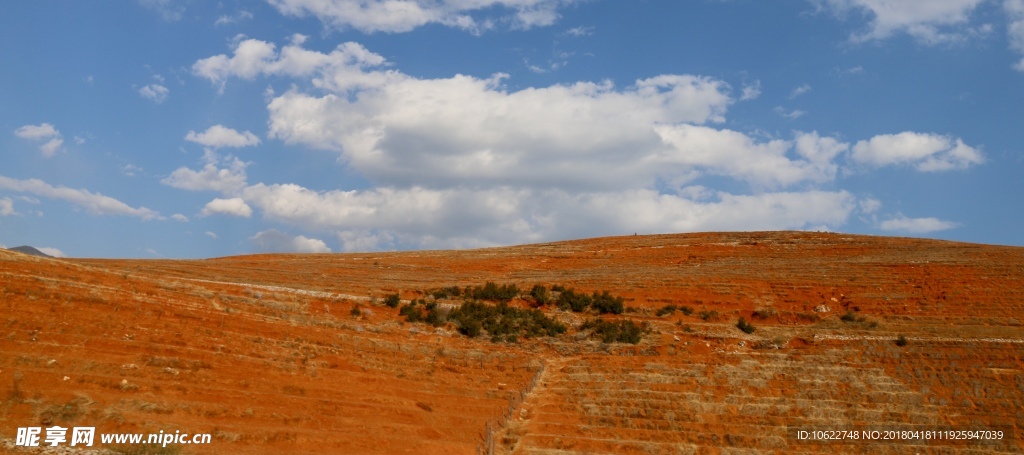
(264, 352)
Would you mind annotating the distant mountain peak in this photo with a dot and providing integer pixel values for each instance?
(25, 249)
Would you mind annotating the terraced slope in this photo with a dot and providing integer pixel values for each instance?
(265, 352)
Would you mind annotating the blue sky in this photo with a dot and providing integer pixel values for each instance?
(184, 129)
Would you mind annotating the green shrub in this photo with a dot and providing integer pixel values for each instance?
(686, 310)
(708, 315)
(570, 300)
(901, 341)
(493, 292)
(540, 294)
(625, 331)
(606, 303)
(745, 326)
(411, 312)
(446, 292)
(392, 301)
(502, 320)
(848, 317)
(666, 310)
(356, 311)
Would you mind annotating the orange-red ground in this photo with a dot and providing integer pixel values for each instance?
(263, 352)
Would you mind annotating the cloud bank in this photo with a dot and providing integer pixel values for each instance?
(462, 161)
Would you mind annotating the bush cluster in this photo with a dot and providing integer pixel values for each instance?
(502, 320)
(603, 303)
(474, 318)
(446, 292)
(392, 300)
(625, 331)
(492, 291)
(669, 309)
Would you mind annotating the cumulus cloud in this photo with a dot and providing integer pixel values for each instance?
(42, 132)
(180, 218)
(463, 161)
(218, 136)
(925, 152)
(916, 225)
(228, 179)
(384, 218)
(929, 22)
(154, 92)
(52, 252)
(234, 207)
(405, 15)
(6, 207)
(276, 241)
(93, 203)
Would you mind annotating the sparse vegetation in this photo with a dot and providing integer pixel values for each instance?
(625, 331)
(901, 341)
(708, 315)
(745, 326)
(392, 300)
(666, 310)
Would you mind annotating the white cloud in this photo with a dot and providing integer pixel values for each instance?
(869, 205)
(930, 22)
(7, 207)
(926, 152)
(93, 203)
(180, 218)
(50, 147)
(52, 252)
(232, 19)
(273, 240)
(469, 217)
(234, 207)
(211, 234)
(218, 136)
(404, 15)
(130, 170)
(751, 91)
(155, 93)
(228, 180)
(579, 31)
(169, 10)
(465, 162)
(799, 91)
(792, 115)
(1015, 29)
(916, 225)
(42, 132)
